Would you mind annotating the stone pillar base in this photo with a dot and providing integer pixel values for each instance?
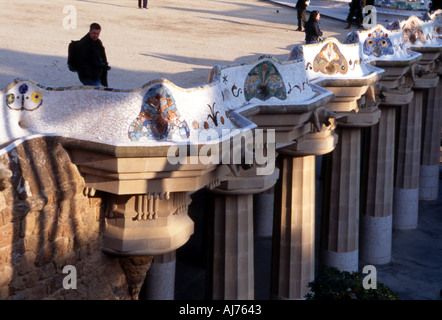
(160, 278)
(429, 182)
(344, 261)
(405, 208)
(375, 239)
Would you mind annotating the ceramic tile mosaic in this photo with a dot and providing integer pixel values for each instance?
(379, 43)
(158, 112)
(417, 33)
(404, 5)
(331, 59)
(437, 18)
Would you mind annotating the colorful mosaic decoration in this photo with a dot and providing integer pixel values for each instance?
(24, 99)
(159, 117)
(330, 60)
(437, 17)
(378, 44)
(413, 33)
(352, 37)
(263, 82)
(404, 4)
(213, 115)
(296, 53)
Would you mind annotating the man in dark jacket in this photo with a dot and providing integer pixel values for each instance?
(301, 7)
(92, 65)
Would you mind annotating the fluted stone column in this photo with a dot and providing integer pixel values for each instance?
(340, 220)
(160, 278)
(430, 153)
(233, 270)
(231, 275)
(378, 165)
(294, 225)
(376, 216)
(406, 183)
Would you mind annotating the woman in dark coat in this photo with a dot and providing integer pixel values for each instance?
(312, 31)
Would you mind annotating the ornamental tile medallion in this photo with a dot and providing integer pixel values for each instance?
(263, 82)
(159, 117)
(413, 33)
(330, 60)
(24, 97)
(378, 44)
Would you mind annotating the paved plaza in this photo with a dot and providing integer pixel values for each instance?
(181, 41)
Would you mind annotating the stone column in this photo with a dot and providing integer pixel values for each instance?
(340, 220)
(376, 214)
(160, 278)
(232, 272)
(293, 251)
(406, 182)
(430, 153)
(377, 175)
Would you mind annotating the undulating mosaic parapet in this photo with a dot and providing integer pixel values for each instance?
(331, 59)
(436, 16)
(417, 32)
(380, 44)
(158, 113)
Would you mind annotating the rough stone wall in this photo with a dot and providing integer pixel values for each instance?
(47, 223)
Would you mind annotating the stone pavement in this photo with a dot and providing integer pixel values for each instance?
(415, 271)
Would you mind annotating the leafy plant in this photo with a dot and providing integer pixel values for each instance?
(334, 284)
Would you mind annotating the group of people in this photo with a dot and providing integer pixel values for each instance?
(93, 65)
(311, 26)
(355, 15)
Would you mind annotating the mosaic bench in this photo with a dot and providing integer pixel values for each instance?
(341, 69)
(421, 36)
(121, 140)
(386, 49)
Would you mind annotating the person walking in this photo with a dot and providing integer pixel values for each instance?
(312, 31)
(355, 14)
(144, 4)
(92, 65)
(301, 7)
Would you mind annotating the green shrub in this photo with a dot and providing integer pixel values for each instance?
(333, 284)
